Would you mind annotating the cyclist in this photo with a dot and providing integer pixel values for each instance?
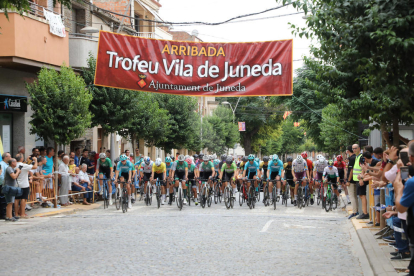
(137, 167)
(104, 167)
(341, 166)
(229, 169)
(274, 172)
(180, 171)
(159, 171)
(207, 170)
(263, 167)
(309, 163)
(319, 167)
(196, 160)
(124, 172)
(288, 177)
(331, 173)
(301, 173)
(240, 170)
(223, 159)
(146, 172)
(192, 175)
(253, 171)
(169, 167)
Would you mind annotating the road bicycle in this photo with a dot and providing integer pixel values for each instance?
(205, 193)
(124, 197)
(320, 194)
(243, 193)
(180, 194)
(331, 199)
(286, 194)
(266, 196)
(228, 195)
(158, 195)
(306, 194)
(148, 194)
(217, 191)
(251, 193)
(141, 190)
(105, 192)
(301, 193)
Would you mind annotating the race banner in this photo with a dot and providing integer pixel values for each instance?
(242, 126)
(194, 68)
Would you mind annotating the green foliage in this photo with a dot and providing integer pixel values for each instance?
(24, 5)
(182, 112)
(113, 109)
(309, 145)
(60, 105)
(292, 137)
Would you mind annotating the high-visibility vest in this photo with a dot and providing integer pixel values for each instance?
(357, 168)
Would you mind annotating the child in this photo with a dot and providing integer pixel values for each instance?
(72, 166)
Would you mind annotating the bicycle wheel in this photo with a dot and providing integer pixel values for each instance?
(305, 197)
(250, 196)
(141, 191)
(318, 200)
(334, 202)
(124, 201)
(328, 203)
(266, 196)
(257, 193)
(226, 197)
(220, 195)
(203, 197)
(105, 195)
(216, 193)
(274, 197)
(209, 199)
(231, 198)
(117, 199)
(180, 199)
(300, 198)
(189, 195)
(158, 196)
(241, 196)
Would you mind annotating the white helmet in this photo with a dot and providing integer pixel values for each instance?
(318, 157)
(102, 155)
(299, 159)
(321, 159)
(158, 162)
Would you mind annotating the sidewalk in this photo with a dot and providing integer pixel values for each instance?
(377, 250)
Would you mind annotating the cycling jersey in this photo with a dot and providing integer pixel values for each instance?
(169, 167)
(180, 167)
(275, 167)
(158, 169)
(241, 165)
(124, 168)
(331, 173)
(299, 167)
(264, 167)
(320, 166)
(206, 167)
(103, 166)
(146, 168)
(340, 165)
(251, 167)
(229, 169)
(288, 171)
(309, 163)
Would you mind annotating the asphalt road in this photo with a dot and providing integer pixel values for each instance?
(194, 241)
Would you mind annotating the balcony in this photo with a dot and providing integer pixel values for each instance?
(158, 34)
(27, 44)
(80, 45)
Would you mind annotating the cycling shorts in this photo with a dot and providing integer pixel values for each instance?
(251, 175)
(125, 175)
(106, 172)
(193, 183)
(341, 174)
(179, 175)
(206, 175)
(264, 175)
(191, 176)
(290, 183)
(273, 175)
(228, 176)
(334, 182)
(147, 177)
(319, 176)
(160, 176)
(300, 175)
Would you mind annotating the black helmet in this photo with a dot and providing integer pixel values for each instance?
(289, 159)
(195, 156)
(229, 160)
(244, 159)
(223, 157)
(201, 155)
(266, 159)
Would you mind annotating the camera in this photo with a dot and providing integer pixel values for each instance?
(362, 160)
(20, 167)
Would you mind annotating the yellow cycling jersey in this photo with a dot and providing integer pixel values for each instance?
(263, 165)
(159, 169)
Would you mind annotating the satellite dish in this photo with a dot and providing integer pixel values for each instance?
(194, 33)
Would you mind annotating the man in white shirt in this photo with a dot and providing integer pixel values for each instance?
(23, 183)
(85, 182)
(65, 182)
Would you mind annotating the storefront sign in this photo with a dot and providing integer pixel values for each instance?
(55, 23)
(194, 68)
(13, 103)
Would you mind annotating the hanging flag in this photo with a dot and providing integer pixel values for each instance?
(287, 113)
(242, 126)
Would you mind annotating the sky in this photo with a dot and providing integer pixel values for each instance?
(220, 10)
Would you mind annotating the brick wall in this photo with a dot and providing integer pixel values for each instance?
(83, 16)
(118, 6)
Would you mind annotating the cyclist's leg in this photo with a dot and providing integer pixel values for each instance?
(278, 184)
(194, 188)
(101, 182)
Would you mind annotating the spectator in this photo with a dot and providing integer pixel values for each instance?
(23, 183)
(137, 155)
(72, 165)
(48, 169)
(65, 181)
(85, 182)
(4, 164)
(364, 178)
(369, 149)
(92, 163)
(42, 151)
(85, 160)
(61, 153)
(10, 180)
(21, 150)
(351, 183)
(38, 178)
(76, 157)
(35, 153)
(127, 153)
(378, 153)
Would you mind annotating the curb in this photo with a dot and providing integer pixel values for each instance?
(67, 211)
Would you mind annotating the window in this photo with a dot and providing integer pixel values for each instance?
(78, 19)
(136, 23)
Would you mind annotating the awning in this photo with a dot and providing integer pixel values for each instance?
(151, 10)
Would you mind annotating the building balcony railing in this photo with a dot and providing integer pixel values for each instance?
(147, 35)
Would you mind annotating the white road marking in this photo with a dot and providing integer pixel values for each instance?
(266, 226)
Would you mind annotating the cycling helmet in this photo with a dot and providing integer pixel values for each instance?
(195, 156)
(214, 156)
(251, 157)
(102, 155)
(257, 160)
(299, 159)
(229, 160)
(275, 158)
(216, 162)
(223, 157)
(189, 161)
(123, 157)
(318, 157)
(304, 154)
(289, 159)
(330, 163)
(339, 158)
(167, 159)
(181, 158)
(187, 156)
(201, 155)
(244, 159)
(147, 160)
(266, 159)
(321, 159)
(158, 162)
(206, 158)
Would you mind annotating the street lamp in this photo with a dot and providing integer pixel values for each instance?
(233, 110)
(89, 30)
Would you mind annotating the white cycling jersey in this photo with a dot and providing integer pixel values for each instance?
(146, 168)
(331, 173)
(320, 166)
(299, 167)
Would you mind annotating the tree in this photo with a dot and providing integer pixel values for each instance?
(24, 5)
(112, 108)
(60, 105)
(261, 118)
(364, 57)
(291, 139)
(181, 110)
